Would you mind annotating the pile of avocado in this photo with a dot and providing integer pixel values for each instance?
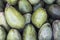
(29, 19)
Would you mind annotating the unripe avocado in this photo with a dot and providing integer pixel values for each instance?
(48, 1)
(54, 11)
(2, 33)
(29, 33)
(14, 18)
(24, 6)
(27, 17)
(12, 2)
(34, 2)
(45, 32)
(56, 29)
(3, 21)
(39, 17)
(13, 35)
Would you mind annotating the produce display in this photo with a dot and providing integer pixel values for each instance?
(29, 19)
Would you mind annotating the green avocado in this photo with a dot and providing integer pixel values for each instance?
(14, 18)
(39, 17)
(29, 33)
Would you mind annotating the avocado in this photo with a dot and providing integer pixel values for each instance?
(14, 18)
(39, 17)
(13, 35)
(45, 32)
(29, 33)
